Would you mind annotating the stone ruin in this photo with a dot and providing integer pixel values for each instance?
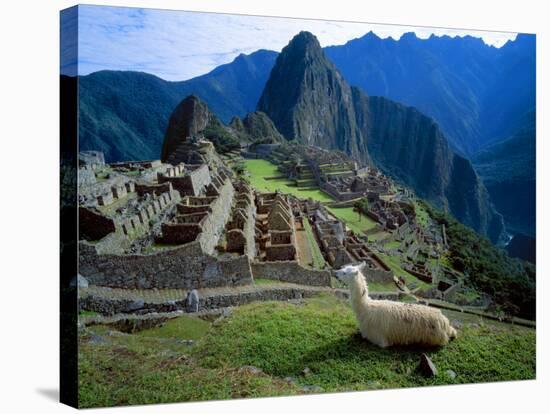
(275, 228)
(341, 177)
(146, 225)
(390, 206)
(350, 186)
(341, 246)
(152, 224)
(189, 223)
(240, 231)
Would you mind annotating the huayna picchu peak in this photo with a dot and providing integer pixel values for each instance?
(309, 101)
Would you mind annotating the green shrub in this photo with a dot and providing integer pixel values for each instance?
(509, 281)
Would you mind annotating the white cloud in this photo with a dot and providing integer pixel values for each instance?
(177, 45)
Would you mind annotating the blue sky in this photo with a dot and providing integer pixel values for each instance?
(178, 45)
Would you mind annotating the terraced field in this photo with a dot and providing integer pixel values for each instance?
(260, 176)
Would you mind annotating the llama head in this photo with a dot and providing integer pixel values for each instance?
(347, 273)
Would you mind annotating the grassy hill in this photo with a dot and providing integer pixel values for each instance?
(320, 334)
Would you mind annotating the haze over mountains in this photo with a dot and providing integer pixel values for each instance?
(478, 94)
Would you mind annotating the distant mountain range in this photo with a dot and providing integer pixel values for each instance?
(477, 93)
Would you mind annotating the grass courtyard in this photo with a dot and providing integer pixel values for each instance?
(259, 170)
(359, 223)
(283, 339)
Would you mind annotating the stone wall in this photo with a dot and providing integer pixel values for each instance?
(192, 183)
(378, 276)
(185, 267)
(236, 241)
(178, 233)
(291, 272)
(206, 226)
(422, 276)
(280, 252)
(156, 189)
(106, 306)
(340, 195)
(92, 225)
(86, 176)
(138, 224)
(91, 158)
(214, 225)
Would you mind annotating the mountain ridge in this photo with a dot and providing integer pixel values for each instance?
(233, 89)
(309, 101)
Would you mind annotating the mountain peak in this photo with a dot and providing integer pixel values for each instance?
(409, 36)
(303, 44)
(308, 99)
(304, 38)
(190, 117)
(371, 35)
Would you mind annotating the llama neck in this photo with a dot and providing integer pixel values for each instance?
(359, 289)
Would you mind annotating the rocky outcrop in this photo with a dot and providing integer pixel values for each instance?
(190, 117)
(309, 101)
(256, 127)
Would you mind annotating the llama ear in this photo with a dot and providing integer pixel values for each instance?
(362, 265)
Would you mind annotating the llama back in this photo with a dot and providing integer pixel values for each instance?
(389, 323)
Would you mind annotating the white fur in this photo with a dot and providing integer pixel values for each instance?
(386, 323)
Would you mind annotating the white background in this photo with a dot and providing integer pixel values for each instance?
(29, 204)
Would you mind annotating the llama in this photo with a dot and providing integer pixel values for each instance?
(386, 323)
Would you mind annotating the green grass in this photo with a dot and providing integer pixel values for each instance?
(318, 259)
(358, 223)
(379, 235)
(184, 327)
(392, 245)
(422, 216)
(324, 338)
(146, 373)
(87, 313)
(468, 295)
(282, 339)
(259, 170)
(408, 299)
(382, 287)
